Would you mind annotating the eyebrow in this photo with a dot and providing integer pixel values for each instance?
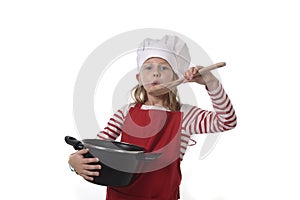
(151, 63)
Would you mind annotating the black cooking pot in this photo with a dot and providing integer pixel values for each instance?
(120, 161)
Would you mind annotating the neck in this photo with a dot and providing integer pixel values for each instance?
(154, 101)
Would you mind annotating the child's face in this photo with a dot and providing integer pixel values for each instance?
(155, 71)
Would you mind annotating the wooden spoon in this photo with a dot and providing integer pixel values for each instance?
(161, 89)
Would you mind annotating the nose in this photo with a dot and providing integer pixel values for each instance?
(156, 73)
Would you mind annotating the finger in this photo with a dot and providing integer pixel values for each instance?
(91, 173)
(199, 67)
(82, 151)
(191, 74)
(90, 160)
(186, 76)
(194, 70)
(87, 177)
(185, 80)
(92, 167)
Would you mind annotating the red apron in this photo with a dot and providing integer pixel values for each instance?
(157, 131)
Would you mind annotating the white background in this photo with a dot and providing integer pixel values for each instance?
(44, 43)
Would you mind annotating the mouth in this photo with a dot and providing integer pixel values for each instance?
(155, 83)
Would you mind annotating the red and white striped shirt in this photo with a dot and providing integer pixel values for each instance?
(194, 119)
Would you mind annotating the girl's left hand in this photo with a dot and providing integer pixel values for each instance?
(206, 78)
(189, 76)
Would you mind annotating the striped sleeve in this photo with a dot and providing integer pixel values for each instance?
(223, 118)
(114, 126)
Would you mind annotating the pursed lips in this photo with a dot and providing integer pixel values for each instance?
(155, 83)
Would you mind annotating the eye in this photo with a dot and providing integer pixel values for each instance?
(163, 67)
(147, 67)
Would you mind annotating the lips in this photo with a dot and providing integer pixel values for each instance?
(155, 83)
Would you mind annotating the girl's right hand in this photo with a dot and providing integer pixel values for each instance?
(81, 165)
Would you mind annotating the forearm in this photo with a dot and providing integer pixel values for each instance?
(224, 117)
(114, 126)
(212, 84)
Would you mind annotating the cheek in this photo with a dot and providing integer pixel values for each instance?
(169, 77)
(144, 79)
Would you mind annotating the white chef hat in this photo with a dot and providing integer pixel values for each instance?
(171, 48)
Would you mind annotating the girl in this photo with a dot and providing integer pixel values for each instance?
(160, 123)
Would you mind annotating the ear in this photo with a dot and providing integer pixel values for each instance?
(138, 78)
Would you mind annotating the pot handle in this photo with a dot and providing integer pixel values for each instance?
(77, 145)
